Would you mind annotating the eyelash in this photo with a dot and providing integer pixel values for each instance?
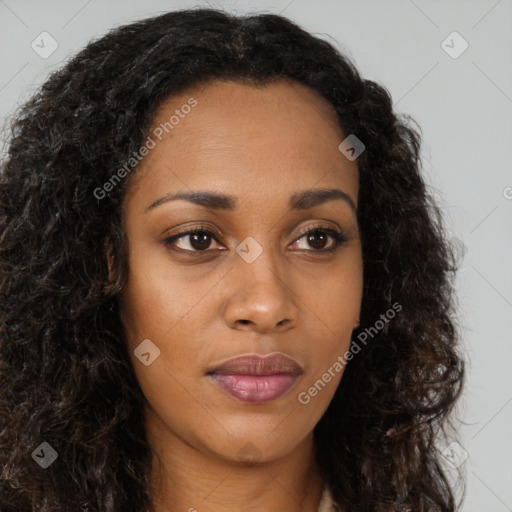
(338, 237)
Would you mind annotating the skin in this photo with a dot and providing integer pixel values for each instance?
(261, 145)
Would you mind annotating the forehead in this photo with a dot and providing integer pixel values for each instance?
(242, 138)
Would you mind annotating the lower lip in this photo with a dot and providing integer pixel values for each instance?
(256, 389)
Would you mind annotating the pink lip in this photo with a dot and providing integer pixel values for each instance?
(257, 379)
(255, 389)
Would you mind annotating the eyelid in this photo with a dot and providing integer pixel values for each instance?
(305, 230)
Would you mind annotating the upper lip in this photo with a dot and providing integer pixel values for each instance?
(255, 364)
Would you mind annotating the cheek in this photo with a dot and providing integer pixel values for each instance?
(159, 313)
(336, 297)
(160, 297)
(335, 308)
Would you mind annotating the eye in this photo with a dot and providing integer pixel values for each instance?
(199, 239)
(317, 237)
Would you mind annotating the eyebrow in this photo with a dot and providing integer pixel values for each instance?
(216, 201)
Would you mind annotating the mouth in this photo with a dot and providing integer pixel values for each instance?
(257, 379)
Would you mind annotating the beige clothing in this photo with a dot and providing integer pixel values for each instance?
(326, 503)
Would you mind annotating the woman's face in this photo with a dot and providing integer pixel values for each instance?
(256, 285)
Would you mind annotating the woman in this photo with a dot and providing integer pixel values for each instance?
(224, 283)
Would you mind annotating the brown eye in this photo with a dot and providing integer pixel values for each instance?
(318, 239)
(198, 240)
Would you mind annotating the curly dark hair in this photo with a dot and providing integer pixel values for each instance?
(63, 355)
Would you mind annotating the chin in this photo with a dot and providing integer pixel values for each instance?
(256, 443)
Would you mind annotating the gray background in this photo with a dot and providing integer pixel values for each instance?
(464, 107)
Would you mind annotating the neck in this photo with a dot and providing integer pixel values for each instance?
(189, 478)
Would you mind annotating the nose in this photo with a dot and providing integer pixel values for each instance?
(261, 298)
